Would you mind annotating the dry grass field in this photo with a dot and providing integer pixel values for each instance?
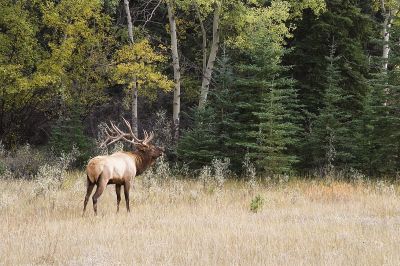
(182, 223)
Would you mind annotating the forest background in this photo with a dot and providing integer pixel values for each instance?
(305, 88)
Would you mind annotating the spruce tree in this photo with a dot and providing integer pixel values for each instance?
(199, 144)
(379, 137)
(211, 134)
(331, 142)
(278, 128)
(351, 25)
(378, 132)
(222, 100)
(69, 132)
(266, 109)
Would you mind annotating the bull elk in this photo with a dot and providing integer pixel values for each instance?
(120, 167)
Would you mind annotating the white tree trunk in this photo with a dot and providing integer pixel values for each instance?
(134, 93)
(204, 36)
(134, 108)
(129, 20)
(177, 72)
(386, 38)
(205, 84)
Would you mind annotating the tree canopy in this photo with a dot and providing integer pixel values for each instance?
(293, 86)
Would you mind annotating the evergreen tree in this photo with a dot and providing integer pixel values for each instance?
(212, 133)
(199, 144)
(278, 128)
(352, 27)
(379, 127)
(69, 132)
(352, 30)
(266, 109)
(331, 139)
(223, 103)
(378, 132)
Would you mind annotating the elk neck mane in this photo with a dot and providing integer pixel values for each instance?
(142, 161)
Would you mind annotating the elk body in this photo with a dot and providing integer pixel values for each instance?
(120, 167)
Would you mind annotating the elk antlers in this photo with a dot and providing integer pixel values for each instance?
(115, 134)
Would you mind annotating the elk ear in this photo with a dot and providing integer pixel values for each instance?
(141, 147)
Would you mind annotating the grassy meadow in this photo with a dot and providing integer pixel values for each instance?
(178, 222)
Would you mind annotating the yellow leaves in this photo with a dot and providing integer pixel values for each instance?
(78, 34)
(74, 18)
(139, 62)
(297, 7)
(140, 52)
(12, 78)
(70, 58)
(41, 80)
(270, 22)
(389, 4)
(205, 6)
(260, 21)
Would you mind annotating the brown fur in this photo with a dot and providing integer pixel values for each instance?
(118, 168)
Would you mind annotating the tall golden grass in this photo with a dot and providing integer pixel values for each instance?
(183, 223)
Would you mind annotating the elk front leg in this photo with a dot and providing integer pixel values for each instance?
(127, 186)
(118, 192)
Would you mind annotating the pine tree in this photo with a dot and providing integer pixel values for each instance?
(223, 103)
(266, 109)
(351, 25)
(278, 128)
(352, 30)
(212, 127)
(69, 132)
(378, 131)
(331, 139)
(198, 145)
(379, 134)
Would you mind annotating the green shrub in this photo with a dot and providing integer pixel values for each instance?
(3, 168)
(256, 203)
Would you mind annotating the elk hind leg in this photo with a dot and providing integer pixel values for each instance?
(101, 185)
(118, 192)
(89, 190)
(127, 186)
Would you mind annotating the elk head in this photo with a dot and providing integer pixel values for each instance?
(143, 146)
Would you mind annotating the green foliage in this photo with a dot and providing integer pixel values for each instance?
(378, 133)
(68, 134)
(199, 145)
(257, 203)
(351, 29)
(274, 95)
(379, 127)
(278, 129)
(267, 21)
(138, 63)
(222, 101)
(79, 37)
(19, 55)
(331, 138)
(214, 126)
(267, 106)
(252, 109)
(110, 6)
(52, 53)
